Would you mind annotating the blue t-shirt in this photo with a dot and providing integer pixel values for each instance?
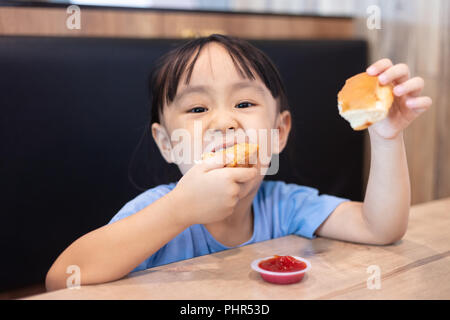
(279, 209)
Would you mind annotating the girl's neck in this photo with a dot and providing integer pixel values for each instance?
(238, 227)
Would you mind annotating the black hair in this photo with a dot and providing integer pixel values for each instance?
(248, 60)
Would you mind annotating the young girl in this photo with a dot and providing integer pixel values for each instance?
(224, 85)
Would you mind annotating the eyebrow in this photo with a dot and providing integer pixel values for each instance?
(192, 89)
(247, 84)
(207, 90)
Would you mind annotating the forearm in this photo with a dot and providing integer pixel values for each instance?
(388, 195)
(112, 251)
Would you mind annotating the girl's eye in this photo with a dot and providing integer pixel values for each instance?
(197, 110)
(244, 105)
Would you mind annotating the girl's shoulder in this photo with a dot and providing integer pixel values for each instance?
(143, 200)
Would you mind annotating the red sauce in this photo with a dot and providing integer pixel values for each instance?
(282, 264)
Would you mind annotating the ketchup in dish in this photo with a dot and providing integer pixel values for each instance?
(282, 264)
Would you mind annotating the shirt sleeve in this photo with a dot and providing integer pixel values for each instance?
(304, 210)
(140, 202)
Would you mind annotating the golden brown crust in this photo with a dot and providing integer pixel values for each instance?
(386, 94)
(362, 92)
(243, 154)
(363, 100)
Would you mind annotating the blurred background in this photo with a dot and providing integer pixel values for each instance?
(104, 49)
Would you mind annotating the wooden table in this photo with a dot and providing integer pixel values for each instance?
(417, 267)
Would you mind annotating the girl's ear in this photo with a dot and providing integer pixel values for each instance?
(162, 140)
(284, 127)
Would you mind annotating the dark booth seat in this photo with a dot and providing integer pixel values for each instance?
(74, 109)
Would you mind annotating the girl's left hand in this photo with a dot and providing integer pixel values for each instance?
(407, 105)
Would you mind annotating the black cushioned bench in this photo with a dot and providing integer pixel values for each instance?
(73, 111)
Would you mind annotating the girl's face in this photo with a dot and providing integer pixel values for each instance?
(217, 106)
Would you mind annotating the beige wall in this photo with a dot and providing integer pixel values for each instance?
(412, 31)
(417, 32)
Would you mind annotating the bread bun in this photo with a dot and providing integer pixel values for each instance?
(243, 154)
(363, 100)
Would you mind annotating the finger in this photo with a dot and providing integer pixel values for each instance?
(379, 66)
(412, 86)
(241, 175)
(398, 73)
(418, 103)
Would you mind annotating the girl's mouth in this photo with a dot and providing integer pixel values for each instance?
(220, 145)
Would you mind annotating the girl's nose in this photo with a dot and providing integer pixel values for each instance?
(223, 121)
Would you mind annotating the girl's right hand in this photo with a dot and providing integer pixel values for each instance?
(209, 192)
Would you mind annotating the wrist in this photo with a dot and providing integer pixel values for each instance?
(375, 138)
(179, 208)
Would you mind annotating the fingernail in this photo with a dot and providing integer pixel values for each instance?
(399, 90)
(382, 78)
(371, 70)
(410, 103)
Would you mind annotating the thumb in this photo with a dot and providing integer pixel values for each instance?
(214, 160)
(243, 174)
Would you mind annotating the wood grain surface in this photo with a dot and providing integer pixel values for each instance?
(165, 24)
(417, 267)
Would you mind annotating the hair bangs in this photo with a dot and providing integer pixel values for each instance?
(249, 62)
